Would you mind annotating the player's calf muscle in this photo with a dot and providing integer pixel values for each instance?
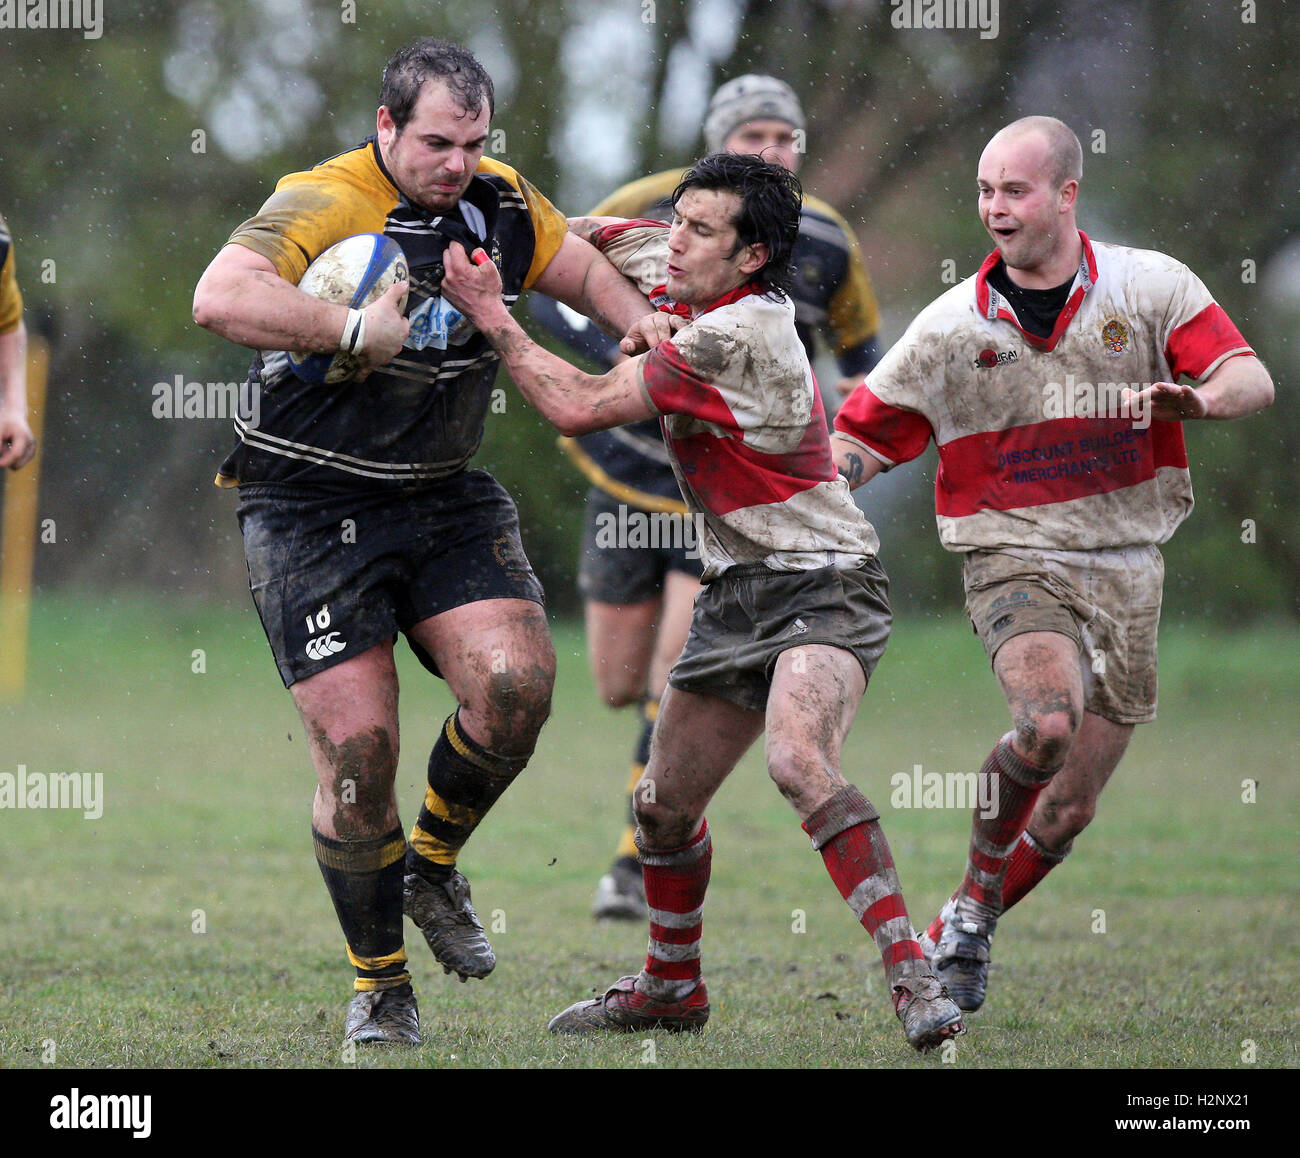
(1057, 822)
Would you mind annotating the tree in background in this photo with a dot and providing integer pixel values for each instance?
(127, 159)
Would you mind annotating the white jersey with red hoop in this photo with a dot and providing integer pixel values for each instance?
(1036, 448)
(745, 429)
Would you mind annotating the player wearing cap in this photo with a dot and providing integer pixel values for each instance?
(640, 564)
(794, 614)
(1048, 382)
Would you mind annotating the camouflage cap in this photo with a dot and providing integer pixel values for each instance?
(749, 98)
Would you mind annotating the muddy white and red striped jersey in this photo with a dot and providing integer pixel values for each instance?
(745, 429)
(1034, 448)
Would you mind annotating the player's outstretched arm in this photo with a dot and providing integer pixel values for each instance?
(587, 227)
(647, 331)
(1239, 387)
(581, 277)
(573, 402)
(17, 444)
(242, 298)
(854, 463)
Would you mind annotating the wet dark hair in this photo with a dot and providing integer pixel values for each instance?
(771, 199)
(430, 59)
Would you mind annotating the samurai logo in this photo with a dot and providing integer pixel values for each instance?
(988, 359)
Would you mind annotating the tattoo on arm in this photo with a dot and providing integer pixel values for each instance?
(852, 470)
(585, 227)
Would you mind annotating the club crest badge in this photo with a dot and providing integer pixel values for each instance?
(1114, 335)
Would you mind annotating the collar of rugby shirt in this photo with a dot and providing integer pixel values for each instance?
(995, 307)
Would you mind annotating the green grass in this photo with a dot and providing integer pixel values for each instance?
(207, 788)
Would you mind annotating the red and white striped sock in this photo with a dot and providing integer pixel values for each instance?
(846, 831)
(1026, 867)
(675, 882)
(1014, 787)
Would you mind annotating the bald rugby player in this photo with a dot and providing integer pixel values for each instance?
(1049, 382)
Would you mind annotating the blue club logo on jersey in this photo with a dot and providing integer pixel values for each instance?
(437, 323)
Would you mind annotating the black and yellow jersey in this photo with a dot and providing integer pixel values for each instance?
(832, 296)
(420, 416)
(11, 300)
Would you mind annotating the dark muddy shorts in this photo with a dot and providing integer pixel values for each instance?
(333, 575)
(627, 551)
(746, 618)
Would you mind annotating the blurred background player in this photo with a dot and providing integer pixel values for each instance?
(17, 445)
(637, 598)
(1057, 503)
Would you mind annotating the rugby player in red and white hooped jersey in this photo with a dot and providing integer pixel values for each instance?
(794, 613)
(1049, 383)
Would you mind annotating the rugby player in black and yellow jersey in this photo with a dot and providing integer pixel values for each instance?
(360, 519)
(17, 444)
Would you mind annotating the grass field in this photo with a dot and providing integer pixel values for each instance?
(188, 926)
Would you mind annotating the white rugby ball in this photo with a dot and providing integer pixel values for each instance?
(353, 272)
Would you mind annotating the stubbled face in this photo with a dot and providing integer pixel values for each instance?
(1029, 218)
(433, 158)
(774, 141)
(701, 264)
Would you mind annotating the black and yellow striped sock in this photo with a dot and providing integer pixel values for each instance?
(465, 780)
(648, 711)
(364, 879)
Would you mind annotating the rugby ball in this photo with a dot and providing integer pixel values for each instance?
(353, 272)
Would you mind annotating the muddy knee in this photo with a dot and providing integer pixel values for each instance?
(801, 777)
(1043, 738)
(661, 824)
(619, 688)
(508, 714)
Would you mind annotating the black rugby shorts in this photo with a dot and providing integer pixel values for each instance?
(627, 551)
(335, 574)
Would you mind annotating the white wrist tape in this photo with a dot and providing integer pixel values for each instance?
(354, 332)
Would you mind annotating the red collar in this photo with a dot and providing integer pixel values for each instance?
(994, 306)
(661, 301)
(741, 291)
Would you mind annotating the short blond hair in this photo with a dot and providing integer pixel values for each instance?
(1062, 145)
